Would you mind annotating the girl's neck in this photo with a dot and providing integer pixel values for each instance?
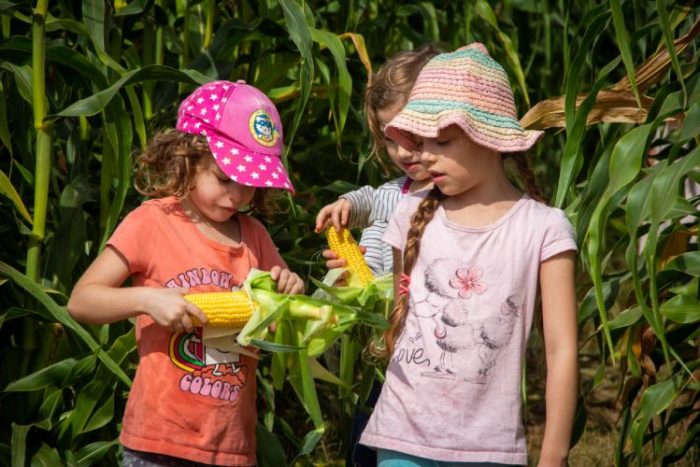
(419, 185)
(483, 204)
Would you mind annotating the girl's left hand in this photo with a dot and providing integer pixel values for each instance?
(287, 282)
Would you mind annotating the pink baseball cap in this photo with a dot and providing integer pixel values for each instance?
(243, 130)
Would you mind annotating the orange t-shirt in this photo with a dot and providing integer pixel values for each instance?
(186, 401)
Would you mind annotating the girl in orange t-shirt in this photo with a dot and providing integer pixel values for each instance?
(191, 404)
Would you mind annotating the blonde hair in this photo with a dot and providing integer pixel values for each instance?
(391, 85)
(170, 162)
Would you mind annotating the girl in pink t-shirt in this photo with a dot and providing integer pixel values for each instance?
(192, 403)
(470, 257)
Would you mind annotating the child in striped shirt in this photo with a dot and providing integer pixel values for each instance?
(370, 208)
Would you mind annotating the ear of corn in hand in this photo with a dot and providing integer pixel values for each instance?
(223, 309)
(343, 244)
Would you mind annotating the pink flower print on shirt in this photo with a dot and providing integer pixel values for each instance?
(466, 280)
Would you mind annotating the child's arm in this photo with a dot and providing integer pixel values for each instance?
(559, 320)
(98, 297)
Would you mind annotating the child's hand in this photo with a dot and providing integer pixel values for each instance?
(169, 308)
(333, 261)
(287, 281)
(338, 214)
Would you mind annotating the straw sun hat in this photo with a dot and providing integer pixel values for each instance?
(469, 89)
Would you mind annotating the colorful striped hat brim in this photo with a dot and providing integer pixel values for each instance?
(469, 89)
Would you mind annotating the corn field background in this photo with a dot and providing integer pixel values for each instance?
(83, 85)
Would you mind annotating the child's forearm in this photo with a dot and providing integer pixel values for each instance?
(102, 304)
(562, 384)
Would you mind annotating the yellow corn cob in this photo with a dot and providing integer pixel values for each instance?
(343, 244)
(223, 309)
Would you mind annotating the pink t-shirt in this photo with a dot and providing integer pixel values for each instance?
(189, 400)
(452, 390)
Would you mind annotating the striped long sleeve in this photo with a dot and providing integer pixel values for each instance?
(371, 210)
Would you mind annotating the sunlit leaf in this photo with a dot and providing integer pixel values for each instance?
(682, 309)
(9, 191)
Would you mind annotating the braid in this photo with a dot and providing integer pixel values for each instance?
(527, 175)
(421, 218)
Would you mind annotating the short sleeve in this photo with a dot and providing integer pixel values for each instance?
(135, 238)
(262, 245)
(397, 230)
(558, 235)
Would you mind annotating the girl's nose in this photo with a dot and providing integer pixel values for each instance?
(426, 157)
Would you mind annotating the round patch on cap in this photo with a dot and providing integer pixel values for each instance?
(262, 128)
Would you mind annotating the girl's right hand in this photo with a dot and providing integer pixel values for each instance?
(338, 213)
(333, 261)
(169, 308)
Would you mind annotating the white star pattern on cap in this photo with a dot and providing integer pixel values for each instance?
(204, 109)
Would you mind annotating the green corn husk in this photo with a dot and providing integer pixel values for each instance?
(317, 320)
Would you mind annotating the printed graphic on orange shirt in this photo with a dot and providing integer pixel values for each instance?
(209, 372)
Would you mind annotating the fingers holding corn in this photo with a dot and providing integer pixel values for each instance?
(287, 281)
(169, 308)
(337, 214)
(344, 246)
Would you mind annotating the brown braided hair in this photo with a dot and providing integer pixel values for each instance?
(170, 163)
(421, 218)
(527, 176)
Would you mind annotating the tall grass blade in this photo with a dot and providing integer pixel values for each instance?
(623, 42)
